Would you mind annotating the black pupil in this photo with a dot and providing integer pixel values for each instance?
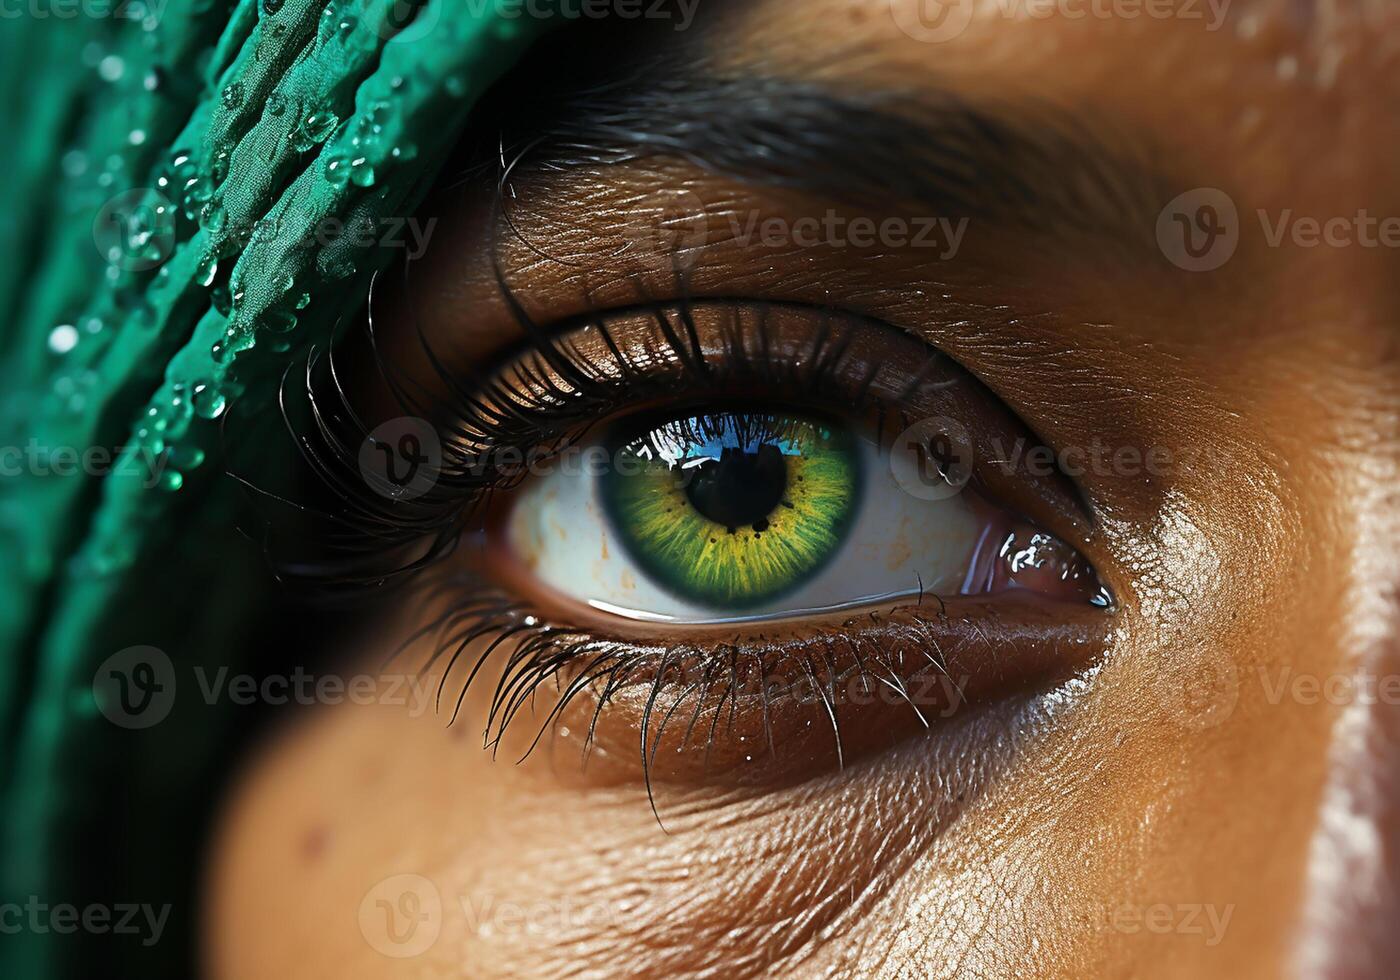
(740, 488)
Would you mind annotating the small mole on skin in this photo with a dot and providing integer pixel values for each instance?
(313, 843)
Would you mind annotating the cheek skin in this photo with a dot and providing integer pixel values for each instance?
(733, 883)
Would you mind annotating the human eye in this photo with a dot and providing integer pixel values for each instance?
(769, 538)
(741, 510)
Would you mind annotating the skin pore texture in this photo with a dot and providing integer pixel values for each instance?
(1176, 800)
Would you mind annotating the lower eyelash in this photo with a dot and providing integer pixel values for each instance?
(532, 653)
(700, 689)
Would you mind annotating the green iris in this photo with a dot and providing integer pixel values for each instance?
(731, 509)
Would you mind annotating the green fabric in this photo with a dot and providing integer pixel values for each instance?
(224, 120)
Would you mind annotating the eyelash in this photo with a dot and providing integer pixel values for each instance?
(540, 418)
(549, 398)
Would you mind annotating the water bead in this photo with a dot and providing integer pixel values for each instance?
(213, 218)
(338, 171)
(314, 129)
(319, 125)
(152, 442)
(185, 457)
(111, 68)
(209, 402)
(63, 338)
(74, 163)
(280, 321)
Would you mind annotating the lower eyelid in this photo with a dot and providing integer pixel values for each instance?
(727, 706)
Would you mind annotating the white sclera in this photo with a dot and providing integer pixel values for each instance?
(560, 532)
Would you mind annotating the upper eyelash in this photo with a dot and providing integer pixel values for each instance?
(373, 541)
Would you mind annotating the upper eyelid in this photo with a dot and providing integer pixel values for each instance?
(1054, 501)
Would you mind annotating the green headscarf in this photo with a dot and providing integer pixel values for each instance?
(169, 173)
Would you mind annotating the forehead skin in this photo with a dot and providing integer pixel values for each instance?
(1128, 841)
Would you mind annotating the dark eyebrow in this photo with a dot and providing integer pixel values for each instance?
(1019, 166)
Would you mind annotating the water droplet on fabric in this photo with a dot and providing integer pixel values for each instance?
(232, 96)
(111, 68)
(209, 402)
(63, 338)
(74, 163)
